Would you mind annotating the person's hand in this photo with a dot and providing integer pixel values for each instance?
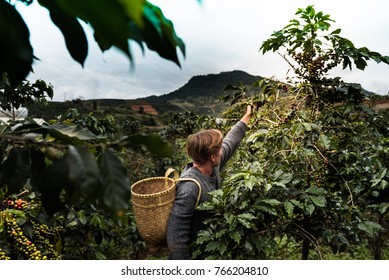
(247, 116)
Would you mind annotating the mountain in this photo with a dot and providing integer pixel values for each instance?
(200, 94)
(210, 85)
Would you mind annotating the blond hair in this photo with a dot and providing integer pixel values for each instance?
(201, 145)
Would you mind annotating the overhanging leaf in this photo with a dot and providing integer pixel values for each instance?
(153, 144)
(107, 18)
(16, 52)
(115, 193)
(159, 34)
(69, 132)
(74, 35)
(134, 10)
(15, 170)
(38, 165)
(72, 134)
(116, 22)
(83, 173)
(53, 180)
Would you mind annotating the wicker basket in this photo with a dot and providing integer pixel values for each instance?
(152, 200)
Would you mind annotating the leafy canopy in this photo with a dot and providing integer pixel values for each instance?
(313, 36)
(114, 22)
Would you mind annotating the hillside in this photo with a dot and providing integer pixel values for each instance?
(210, 85)
(200, 95)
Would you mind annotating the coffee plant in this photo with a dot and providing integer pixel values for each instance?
(80, 183)
(311, 175)
(72, 165)
(23, 232)
(89, 233)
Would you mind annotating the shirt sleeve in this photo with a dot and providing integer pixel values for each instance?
(179, 224)
(232, 141)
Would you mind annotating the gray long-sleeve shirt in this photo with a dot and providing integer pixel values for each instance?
(185, 221)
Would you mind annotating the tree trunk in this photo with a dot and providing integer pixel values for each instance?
(305, 249)
(378, 242)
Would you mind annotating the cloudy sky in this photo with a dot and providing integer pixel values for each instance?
(220, 35)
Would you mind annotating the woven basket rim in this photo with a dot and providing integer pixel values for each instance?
(157, 194)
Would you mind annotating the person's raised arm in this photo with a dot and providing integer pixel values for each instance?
(247, 115)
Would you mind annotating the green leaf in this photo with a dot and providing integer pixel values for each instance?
(83, 174)
(16, 54)
(360, 62)
(370, 227)
(1, 223)
(220, 233)
(307, 126)
(38, 165)
(324, 141)
(159, 34)
(15, 170)
(222, 248)
(289, 208)
(284, 179)
(382, 173)
(52, 181)
(115, 22)
(310, 208)
(67, 133)
(153, 143)
(245, 219)
(336, 32)
(203, 236)
(70, 133)
(229, 218)
(107, 18)
(378, 178)
(273, 202)
(212, 246)
(96, 221)
(134, 10)
(115, 193)
(319, 201)
(246, 216)
(260, 205)
(297, 203)
(75, 38)
(316, 191)
(383, 184)
(383, 207)
(236, 236)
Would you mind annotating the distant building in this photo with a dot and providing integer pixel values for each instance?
(6, 120)
(19, 113)
(144, 109)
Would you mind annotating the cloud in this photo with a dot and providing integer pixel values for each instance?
(219, 35)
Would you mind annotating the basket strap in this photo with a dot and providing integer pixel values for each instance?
(196, 182)
(169, 171)
(176, 175)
